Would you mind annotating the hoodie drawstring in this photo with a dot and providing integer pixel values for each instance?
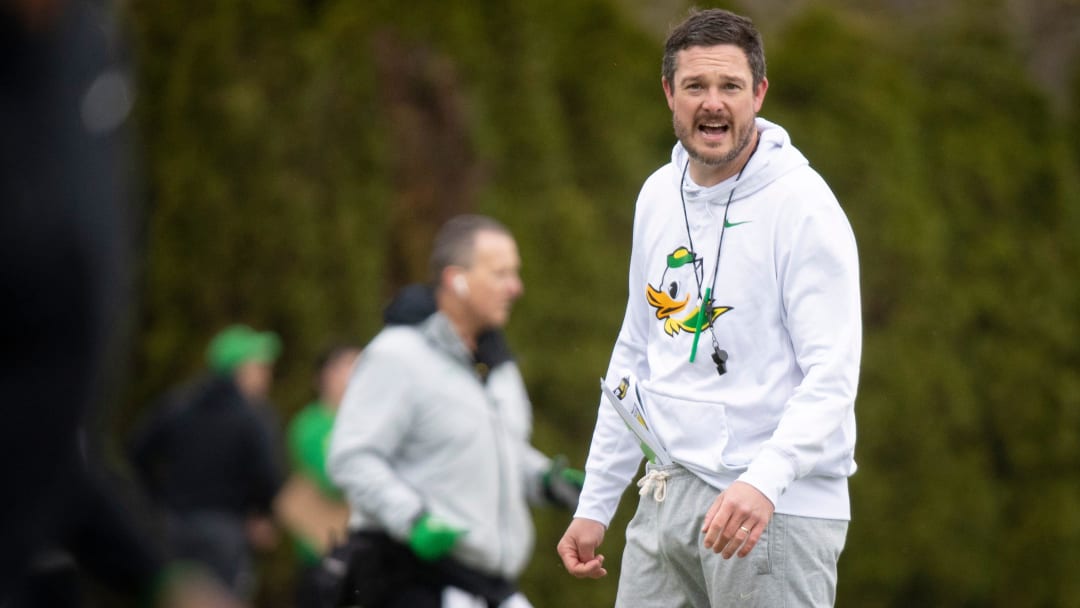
(654, 481)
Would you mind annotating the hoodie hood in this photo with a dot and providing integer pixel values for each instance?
(774, 157)
(413, 304)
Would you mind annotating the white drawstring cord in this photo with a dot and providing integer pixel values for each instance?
(654, 481)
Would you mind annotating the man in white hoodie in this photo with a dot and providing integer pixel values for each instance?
(740, 347)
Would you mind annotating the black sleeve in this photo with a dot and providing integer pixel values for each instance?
(266, 473)
(152, 442)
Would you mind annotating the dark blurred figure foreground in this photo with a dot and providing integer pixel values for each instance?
(61, 239)
(65, 97)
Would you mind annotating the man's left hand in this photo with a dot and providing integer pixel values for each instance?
(736, 520)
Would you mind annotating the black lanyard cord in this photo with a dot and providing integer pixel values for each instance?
(719, 356)
(723, 224)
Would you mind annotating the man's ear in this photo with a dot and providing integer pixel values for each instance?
(453, 280)
(461, 285)
(759, 94)
(668, 93)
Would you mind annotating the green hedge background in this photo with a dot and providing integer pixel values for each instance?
(297, 157)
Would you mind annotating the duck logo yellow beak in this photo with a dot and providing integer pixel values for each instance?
(682, 274)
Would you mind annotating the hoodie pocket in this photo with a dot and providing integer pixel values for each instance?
(697, 432)
(749, 426)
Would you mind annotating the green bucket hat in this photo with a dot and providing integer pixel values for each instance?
(239, 344)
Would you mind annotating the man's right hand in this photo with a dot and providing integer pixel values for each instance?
(432, 538)
(578, 548)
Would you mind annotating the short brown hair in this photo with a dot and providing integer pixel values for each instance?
(710, 28)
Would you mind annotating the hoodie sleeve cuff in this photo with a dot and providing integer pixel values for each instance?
(599, 496)
(401, 525)
(771, 473)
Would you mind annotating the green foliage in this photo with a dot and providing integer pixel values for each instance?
(298, 157)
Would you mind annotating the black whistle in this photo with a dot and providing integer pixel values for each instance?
(719, 357)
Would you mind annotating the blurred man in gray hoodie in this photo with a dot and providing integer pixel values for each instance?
(431, 443)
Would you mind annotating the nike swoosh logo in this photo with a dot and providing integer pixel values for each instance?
(728, 224)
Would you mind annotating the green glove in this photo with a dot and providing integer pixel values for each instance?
(432, 538)
(562, 484)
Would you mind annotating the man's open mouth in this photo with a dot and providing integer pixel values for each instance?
(714, 128)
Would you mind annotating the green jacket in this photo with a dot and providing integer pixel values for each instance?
(309, 444)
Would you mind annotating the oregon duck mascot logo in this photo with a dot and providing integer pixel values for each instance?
(682, 275)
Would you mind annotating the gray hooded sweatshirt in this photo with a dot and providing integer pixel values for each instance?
(419, 431)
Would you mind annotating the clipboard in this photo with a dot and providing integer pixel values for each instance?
(635, 421)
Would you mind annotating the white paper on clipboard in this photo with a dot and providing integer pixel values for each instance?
(635, 420)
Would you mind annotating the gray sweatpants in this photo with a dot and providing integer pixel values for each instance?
(666, 565)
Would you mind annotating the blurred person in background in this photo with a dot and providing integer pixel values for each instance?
(310, 506)
(65, 101)
(738, 242)
(207, 460)
(431, 444)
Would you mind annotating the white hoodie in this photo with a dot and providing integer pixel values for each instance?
(788, 314)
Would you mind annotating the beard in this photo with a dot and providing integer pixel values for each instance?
(741, 137)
